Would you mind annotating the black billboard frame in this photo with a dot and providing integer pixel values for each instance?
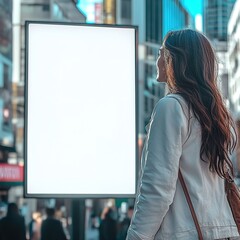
(82, 196)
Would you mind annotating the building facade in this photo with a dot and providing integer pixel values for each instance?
(216, 15)
(219, 19)
(234, 71)
(7, 133)
(7, 136)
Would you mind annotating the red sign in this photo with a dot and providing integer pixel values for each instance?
(11, 173)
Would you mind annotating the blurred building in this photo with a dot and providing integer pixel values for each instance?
(234, 69)
(109, 11)
(234, 58)
(216, 16)
(9, 174)
(217, 13)
(216, 27)
(93, 10)
(38, 10)
(7, 136)
(124, 11)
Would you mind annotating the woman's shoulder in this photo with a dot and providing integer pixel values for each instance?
(172, 99)
(178, 97)
(176, 101)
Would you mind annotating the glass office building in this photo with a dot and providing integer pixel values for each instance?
(217, 13)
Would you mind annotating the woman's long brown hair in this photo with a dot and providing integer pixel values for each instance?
(194, 76)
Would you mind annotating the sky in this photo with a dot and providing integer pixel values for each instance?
(194, 7)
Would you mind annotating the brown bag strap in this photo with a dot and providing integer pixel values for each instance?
(194, 216)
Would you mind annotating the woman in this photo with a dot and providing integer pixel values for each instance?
(189, 130)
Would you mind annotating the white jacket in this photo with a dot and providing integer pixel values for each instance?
(161, 210)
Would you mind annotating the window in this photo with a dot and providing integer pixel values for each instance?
(45, 7)
(153, 21)
(126, 9)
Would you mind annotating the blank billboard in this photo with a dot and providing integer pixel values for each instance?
(80, 110)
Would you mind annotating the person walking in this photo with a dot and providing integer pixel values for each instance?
(51, 228)
(34, 226)
(12, 227)
(108, 226)
(190, 130)
(124, 225)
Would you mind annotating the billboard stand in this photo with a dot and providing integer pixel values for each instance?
(78, 219)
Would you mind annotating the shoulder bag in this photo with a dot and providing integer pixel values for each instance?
(233, 197)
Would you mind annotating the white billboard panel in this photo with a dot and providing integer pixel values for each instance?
(80, 110)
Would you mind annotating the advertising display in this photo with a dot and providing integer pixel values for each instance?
(80, 110)
(11, 174)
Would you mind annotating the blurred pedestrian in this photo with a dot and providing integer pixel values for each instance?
(191, 134)
(34, 226)
(52, 228)
(12, 227)
(108, 225)
(124, 225)
(3, 209)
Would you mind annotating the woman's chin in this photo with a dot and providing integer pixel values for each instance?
(159, 79)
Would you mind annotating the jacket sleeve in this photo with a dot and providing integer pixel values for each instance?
(167, 131)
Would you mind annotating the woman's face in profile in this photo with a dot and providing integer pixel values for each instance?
(161, 69)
